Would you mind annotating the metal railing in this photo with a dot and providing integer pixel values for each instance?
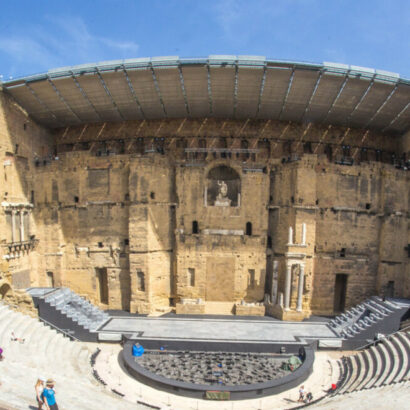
(379, 340)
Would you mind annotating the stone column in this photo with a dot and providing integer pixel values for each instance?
(13, 226)
(300, 287)
(287, 286)
(21, 226)
(303, 234)
(290, 238)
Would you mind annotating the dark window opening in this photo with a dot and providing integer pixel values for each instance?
(408, 250)
(102, 279)
(339, 301)
(152, 195)
(292, 199)
(378, 155)
(32, 197)
(16, 148)
(270, 198)
(346, 150)
(126, 242)
(343, 252)
(76, 199)
(307, 147)
(195, 228)
(363, 154)
(269, 242)
(191, 277)
(126, 197)
(24, 126)
(249, 228)
(100, 244)
(141, 281)
(329, 152)
(368, 205)
(317, 202)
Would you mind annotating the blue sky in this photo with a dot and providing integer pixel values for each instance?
(36, 36)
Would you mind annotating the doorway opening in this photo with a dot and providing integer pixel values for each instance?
(102, 280)
(340, 293)
(390, 289)
(50, 279)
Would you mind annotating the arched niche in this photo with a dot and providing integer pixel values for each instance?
(5, 288)
(223, 187)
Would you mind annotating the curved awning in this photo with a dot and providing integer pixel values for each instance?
(237, 87)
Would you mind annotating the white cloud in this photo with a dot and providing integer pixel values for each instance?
(64, 41)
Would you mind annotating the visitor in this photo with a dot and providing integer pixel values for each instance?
(39, 387)
(14, 338)
(309, 397)
(49, 396)
(301, 393)
(137, 350)
(1, 354)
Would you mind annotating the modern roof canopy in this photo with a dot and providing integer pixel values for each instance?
(237, 87)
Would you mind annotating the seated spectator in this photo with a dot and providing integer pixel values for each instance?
(14, 338)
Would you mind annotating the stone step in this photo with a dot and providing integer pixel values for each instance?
(404, 342)
(395, 358)
(378, 367)
(362, 373)
(369, 365)
(387, 364)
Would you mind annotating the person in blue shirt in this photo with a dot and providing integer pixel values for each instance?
(49, 396)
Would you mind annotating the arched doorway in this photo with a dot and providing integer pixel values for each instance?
(4, 290)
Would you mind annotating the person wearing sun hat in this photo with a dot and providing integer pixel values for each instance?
(39, 387)
(49, 396)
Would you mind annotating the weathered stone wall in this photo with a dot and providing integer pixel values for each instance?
(128, 203)
(21, 142)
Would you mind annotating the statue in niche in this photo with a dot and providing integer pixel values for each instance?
(222, 198)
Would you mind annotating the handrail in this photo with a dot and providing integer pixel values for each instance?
(378, 340)
(59, 329)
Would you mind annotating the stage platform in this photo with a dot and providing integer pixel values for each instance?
(217, 330)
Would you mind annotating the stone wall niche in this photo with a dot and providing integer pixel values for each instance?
(223, 187)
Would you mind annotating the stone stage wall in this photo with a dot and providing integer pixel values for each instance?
(144, 216)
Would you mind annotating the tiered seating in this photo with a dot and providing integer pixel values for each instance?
(47, 353)
(382, 364)
(366, 315)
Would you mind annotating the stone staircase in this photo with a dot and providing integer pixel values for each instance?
(384, 363)
(69, 312)
(369, 318)
(47, 353)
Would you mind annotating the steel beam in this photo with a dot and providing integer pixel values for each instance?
(133, 92)
(261, 90)
(235, 90)
(154, 78)
(42, 103)
(181, 79)
(361, 98)
(382, 106)
(84, 94)
(109, 94)
(287, 93)
(62, 98)
(209, 89)
(319, 77)
(396, 117)
(338, 95)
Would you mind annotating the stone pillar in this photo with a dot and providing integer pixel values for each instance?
(287, 286)
(206, 197)
(303, 234)
(290, 238)
(13, 226)
(21, 226)
(300, 287)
